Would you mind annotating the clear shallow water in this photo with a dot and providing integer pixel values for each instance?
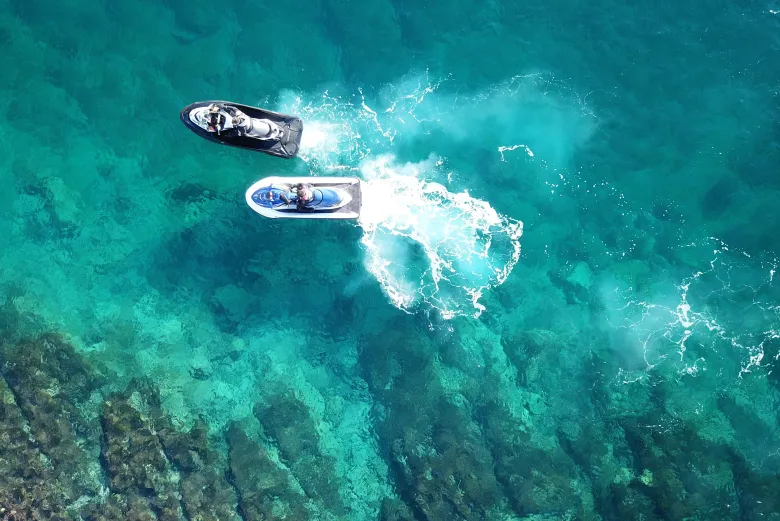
(621, 162)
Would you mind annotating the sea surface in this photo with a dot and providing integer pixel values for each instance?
(561, 300)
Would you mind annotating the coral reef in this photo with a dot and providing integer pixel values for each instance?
(288, 423)
(475, 445)
(442, 468)
(147, 458)
(43, 384)
(28, 486)
(267, 492)
(66, 455)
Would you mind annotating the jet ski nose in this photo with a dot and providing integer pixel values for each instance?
(200, 117)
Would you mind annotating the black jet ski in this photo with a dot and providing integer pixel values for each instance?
(306, 197)
(243, 126)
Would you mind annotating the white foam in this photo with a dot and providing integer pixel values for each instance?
(702, 319)
(319, 137)
(429, 248)
(503, 149)
(468, 246)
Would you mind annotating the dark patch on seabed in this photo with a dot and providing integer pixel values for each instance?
(74, 448)
(71, 447)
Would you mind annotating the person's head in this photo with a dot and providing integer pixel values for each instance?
(305, 193)
(212, 115)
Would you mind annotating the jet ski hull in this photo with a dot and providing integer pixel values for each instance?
(287, 147)
(335, 198)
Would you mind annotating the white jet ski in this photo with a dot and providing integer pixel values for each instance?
(306, 197)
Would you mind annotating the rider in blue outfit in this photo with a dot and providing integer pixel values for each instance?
(302, 195)
(305, 195)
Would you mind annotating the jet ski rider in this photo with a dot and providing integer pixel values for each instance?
(216, 120)
(303, 196)
(242, 125)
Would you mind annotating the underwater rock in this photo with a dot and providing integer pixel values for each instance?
(395, 510)
(234, 301)
(599, 449)
(526, 351)
(267, 492)
(200, 368)
(458, 444)
(146, 456)
(572, 285)
(581, 275)
(28, 488)
(206, 493)
(47, 381)
(718, 199)
(286, 421)
(62, 460)
(674, 488)
(537, 481)
(135, 461)
(207, 496)
(119, 507)
(66, 202)
(450, 475)
(441, 467)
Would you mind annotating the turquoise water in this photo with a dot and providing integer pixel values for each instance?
(561, 301)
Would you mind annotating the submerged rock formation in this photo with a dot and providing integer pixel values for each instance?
(74, 447)
(267, 492)
(67, 452)
(48, 450)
